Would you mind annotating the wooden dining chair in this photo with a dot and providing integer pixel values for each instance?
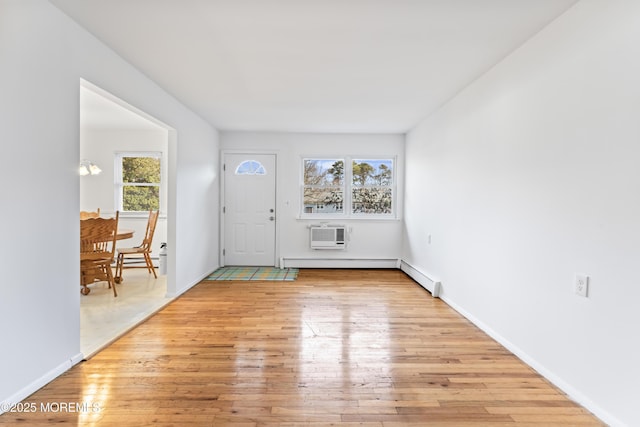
(139, 253)
(97, 251)
(87, 214)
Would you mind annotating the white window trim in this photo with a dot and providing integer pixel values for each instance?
(347, 190)
(119, 185)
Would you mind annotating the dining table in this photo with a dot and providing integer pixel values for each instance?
(124, 233)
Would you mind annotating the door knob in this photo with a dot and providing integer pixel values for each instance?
(272, 218)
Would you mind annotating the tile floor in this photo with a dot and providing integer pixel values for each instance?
(104, 318)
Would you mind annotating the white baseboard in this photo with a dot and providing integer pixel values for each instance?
(434, 286)
(338, 262)
(77, 359)
(569, 390)
(190, 285)
(36, 385)
(424, 280)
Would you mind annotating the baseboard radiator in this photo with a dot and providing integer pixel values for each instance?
(424, 280)
(328, 262)
(430, 284)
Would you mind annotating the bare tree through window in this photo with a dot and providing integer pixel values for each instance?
(368, 183)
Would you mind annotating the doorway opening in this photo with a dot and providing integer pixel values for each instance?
(109, 129)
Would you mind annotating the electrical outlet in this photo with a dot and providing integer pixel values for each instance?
(581, 285)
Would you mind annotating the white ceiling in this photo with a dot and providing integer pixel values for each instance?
(314, 65)
(97, 112)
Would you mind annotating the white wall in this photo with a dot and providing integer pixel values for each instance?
(98, 191)
(44, 55)
(529, 176)
(370, 239)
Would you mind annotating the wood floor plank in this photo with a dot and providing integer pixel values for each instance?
(335, 347)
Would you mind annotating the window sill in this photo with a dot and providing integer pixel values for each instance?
(337, 218)
(133, 215)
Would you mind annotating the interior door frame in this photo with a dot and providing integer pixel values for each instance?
(223, 188)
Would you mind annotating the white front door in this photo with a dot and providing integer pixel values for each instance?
(249, 209)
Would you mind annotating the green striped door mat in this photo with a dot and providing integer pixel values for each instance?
(253, 273)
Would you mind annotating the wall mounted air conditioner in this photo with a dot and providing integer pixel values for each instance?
(327, 237)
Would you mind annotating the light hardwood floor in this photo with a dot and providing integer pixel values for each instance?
(335, 347)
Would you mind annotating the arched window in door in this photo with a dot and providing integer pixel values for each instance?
(251, 167)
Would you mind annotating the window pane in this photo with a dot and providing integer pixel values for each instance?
(372, 200)
(250, 167)
(372, 172)
(370, 190)
(324, 172)
(323, 200)
(140, 198)
(140, 170)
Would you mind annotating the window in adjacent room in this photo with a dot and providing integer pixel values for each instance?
(138, 180)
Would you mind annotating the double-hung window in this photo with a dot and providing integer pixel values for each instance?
(348, 187)
(324, 186)
(137, 181)
(372, 186)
